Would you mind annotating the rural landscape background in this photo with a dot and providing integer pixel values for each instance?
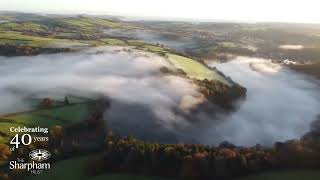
(146, 96)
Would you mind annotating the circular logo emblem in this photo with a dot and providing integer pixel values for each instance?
(39, 155)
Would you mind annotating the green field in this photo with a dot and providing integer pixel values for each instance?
(155, 49)
(81, 23)
(195, 69)
(45, 117)
(73, 169)
(111, 41)
(87, 23)
(287, 175)
(58, 32)
(17, 38)
(27, 26)
(12, 37)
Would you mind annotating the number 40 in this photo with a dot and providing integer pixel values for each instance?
(26, 140)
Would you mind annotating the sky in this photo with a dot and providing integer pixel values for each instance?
(305, 11)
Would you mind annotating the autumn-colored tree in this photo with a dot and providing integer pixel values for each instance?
(47, 102)
(4, 152)
(56, 133)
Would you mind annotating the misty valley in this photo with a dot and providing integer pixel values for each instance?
(160, 99)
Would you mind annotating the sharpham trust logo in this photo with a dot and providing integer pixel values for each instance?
(36, 166)
(39, 155)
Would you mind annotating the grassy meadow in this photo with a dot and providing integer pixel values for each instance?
(45, 117)
(73, 169)
(286, 175)
(195, 69)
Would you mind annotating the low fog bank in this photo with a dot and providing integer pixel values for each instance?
(144, 102)
(280, 104)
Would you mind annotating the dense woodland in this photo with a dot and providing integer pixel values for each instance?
(181, 161)
(221, 94)
(22, 50)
